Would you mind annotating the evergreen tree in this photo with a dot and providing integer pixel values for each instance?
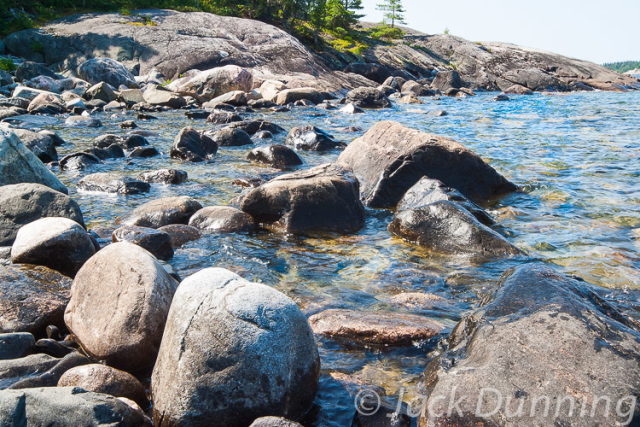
(317, 16)
(338, 16)
(393, 12)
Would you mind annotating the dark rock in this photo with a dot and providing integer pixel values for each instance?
(79, 161)
(181, 234)
(197, 114)
(223, 117)
(97, 70)
(263, 134)
(29, 70)
(40, 145)
(143, 116)
(165, 211)
(260, 104)
(33, 371)
(107, 291)
(390, 158)
(231, 137)
(113, 151)
(22, 204)
(164, 176)
(394, 82)
(101, 91)
(254, 126)
(5, 78)
(16, 345)
(288, 96)
(437, 113)
(310, 138)
(193, 146)
(539, 337)
(375, 72)
(58, 243)
(57, 140)
(451, 92)
(501, 98)
(144, 152)
(155, 241)
(368, 97)
(245, 327)
(128, 124)
(324, 197)
(277, 156)
(112, 183)
(223, 219)
(280, 109)
(446, 80)
(416, 88)
(53, 348)
(31, 298)
(127, 142)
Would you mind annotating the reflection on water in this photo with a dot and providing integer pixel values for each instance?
(576, 157)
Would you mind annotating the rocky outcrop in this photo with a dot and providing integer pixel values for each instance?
(321, 198)
(390, 158)
(542, 340)
(260, 359)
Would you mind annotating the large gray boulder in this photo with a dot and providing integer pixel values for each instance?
(158, 95)
(297, 94)
(368, 97)
(193, 146)
(324, 197)
(311, 138)
(125, 291)
(19, 165)
(98, 70)
(112, 183)
(222, 219)
(66, 406)
(38, 370)
(244, 349)
(57, 243)
(21, 204)
(215, 82)
(39, 144)
(165, 211)
(29, 70)
(390, 158)
(31, 298)
(276, 155)
(545, 349)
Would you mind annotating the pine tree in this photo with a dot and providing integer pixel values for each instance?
(354, 6)
(393, 11)
(317, 16)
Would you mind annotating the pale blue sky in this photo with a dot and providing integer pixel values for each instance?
(599, 31)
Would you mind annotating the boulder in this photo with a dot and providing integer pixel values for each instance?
(260, 358)
(368, 97)
(310, 138)
(83, 122)
(127, 292)
(98, 70)
(46, 104)
(22, 204)
(112, 183)
(236, 98)
(518, 90)
(274, 422)
(45, 83)
(131, 97)
(270, 89)
(193, 146)
(321, 198)
(223, 117)
(57, 140)
(101, 91)
(155, 241)
(394, 82)
(231, 137)
(446, 80)
(106, 380)
(32, 298)
(79, 161)
(144, 152)
(544, 349)
(292, 95)
(39, 370)
(157, 95)
(19, 165)
(390, 158)
(164, 176)
(374, 328)
(416, 88)
(351, 109)
(410, 99)
(111, 152)
(66, 406)
(5, 78)
(39, 144)
(16, 345)
(222, 219)
(126, 142)
(180, 234)
(29, 70)
(58, 243)
(375, 72)
(215, 82)
(277, 156)
(254, 126)
(165, 211)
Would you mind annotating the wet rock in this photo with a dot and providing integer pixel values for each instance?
(127, 142)
(539, 336)
(446, 80)
(394, 82)
(277, 156)
(416, 89)
(101, 91)
(222, 219)
(33, 371)
(288, 96)
(215, 82)
(128, 124)
(197, 114)
(324, 197)
(254, 126)
(260, 104)
(21, 204)
(446, 227)
(274, 422)
(387, 90)
(53, 347)
(390, 158)
(82, 121)
(92, 105)
(374, 328)
(249, 330)
(223, 117)
(501, 98)
(31, 297)
(164, 176)
(111, 152)
(452, 92)
(97, 70)
(375, 72)
(79, 161)
(124, 288)
(263, 134)
(66, 406)
(157, 95)
(310, 138)
(304, 103)
(368, 97)
(518, 90)
(106, 380)
(19, 165)
(280, 109)
(40, 145)
(193, 146)
(351, 109)
(231, 137)
(16, 345)
(29, 70)
(58, 243)
(385, 416)
(427, 191)
(165, 211)
(47, 104)
(112, 183)
(180, 234)
(437, 113)
(144, 152)
(57, 140)
(410, 99)
(155, 241)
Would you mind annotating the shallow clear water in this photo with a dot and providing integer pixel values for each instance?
(576, 157)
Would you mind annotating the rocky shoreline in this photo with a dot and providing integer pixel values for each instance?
(97, 329)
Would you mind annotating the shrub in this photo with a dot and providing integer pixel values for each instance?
(386, 33)
(6, 64)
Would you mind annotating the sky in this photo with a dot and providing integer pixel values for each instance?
(598, 31)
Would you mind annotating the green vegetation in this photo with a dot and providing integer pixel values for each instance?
(7, 64)
(393, 12)
(623, 67)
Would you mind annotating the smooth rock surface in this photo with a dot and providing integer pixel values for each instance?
(168, 210)
(368, 97)
(97, 70)
(193, 146)
(277, 156)
(222, 219)
(155, 241)
(112, 183)
(180, 234)
(164, 176)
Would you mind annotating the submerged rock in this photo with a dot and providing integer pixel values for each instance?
(277, 156)
(254, 126)
(321, 198)
(155, 241)
(223, 117)
(179, 234)
(112, 183)
(258, 344)
(168, 210)
(311, 138)
(164, 176)
(222, 219)
(390, 158)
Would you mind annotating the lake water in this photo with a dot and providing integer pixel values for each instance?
(576, 158)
